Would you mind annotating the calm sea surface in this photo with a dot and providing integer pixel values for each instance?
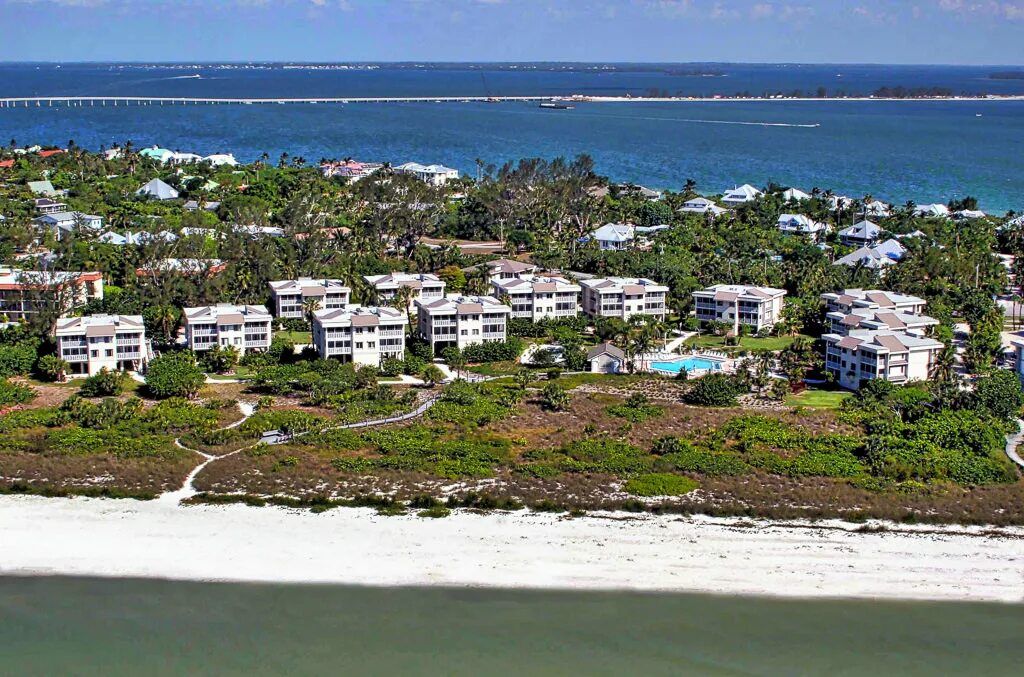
(58, 626)
(925, 151)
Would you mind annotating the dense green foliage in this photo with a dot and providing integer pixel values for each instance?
(660, 484)
(714, 390)
(174, 374)
(104, 383)
(636, 409)
(14, 393)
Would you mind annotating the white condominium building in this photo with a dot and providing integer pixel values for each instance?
(290, 296)
(428, 287)
(508, 269)
(866, 354)
(737, 304)
(246, 328)
(461, 320)
(623, 297)
(359, 334)
(23, 293)
(90, 343)
(540, 297)
(869, 318)
(873, 299)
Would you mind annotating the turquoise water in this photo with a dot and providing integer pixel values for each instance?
(689, 364)
(926, 151)
(87, 627)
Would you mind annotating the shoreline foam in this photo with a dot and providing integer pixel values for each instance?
(121, 538)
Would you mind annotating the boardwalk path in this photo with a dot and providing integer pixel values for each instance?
(1013, 442)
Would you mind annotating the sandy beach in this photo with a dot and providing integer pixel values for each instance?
(96, 537)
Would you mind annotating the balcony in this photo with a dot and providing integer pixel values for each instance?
(68, 357)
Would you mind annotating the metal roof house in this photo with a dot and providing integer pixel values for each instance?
(158, 190)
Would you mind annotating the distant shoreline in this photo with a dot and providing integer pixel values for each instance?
(827, 559)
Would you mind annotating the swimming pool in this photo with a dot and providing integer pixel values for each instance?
(689, 364)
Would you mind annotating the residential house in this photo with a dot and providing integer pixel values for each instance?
(735, 304)
(623, 297)
(884, 320)
(794, 195)
(62, 223)
(877, 209)
(880, 256)
(187, 267)
(539, 297)
(509, 269)
(801, 224)
(604, 358)
(221, 159)
(865, 354)
(158, 190)
(702, 205)
(741, 195)
(349, 169)
(435, 175)
(290, 296)
(23, 293)
(969, 214)
(256, 232)
(861, 234)
(462, 320)
(136, 239)
(638, 191)
(95, 342)
(359, 334)
(194, 206)
(937, 211)
(44, 188)
(838, 202)
(614, 236)
(245, 328)
(427, 286)
(45, 205)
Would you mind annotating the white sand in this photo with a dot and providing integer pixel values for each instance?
(94, 537)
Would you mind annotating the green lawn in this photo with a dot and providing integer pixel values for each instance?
(818, 399)
(746, 343)
(299, 337)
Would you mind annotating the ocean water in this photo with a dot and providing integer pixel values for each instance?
(925, 151)
(110, 627)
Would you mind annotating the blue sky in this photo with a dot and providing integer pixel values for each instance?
(809, 31)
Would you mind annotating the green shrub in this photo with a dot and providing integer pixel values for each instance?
(15, 393)
(104, 383)
(174, 375)
(435, 512)
(713, 390)
(660, 484)
(636, 409)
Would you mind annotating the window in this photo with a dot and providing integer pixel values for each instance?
(359, 345)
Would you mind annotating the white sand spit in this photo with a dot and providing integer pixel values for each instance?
(95, 537)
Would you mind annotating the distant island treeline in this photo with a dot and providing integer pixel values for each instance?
(898, 92)
(1007, 75)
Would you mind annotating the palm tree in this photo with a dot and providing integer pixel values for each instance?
(405, 297)
(309, 307)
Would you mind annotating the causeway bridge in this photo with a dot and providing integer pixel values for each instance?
(79, 101)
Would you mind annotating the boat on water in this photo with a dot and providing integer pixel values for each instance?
(555, 105)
